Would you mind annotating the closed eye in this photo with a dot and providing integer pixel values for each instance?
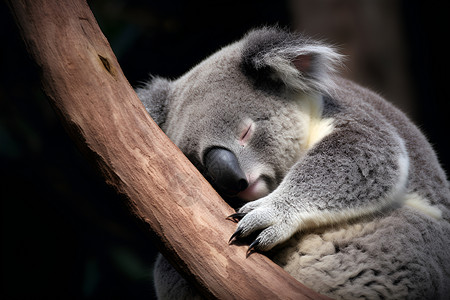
(246, 134)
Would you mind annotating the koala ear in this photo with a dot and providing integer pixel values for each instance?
(298, 63)
(154, 96)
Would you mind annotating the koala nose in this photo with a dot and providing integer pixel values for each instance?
(222, 165)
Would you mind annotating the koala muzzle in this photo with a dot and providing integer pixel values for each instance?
(224, 169)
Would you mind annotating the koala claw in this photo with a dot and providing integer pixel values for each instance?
(236, 234)
(252, 248)
(265, 218)
(236, 217)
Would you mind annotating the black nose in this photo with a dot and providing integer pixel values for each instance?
(223, 167)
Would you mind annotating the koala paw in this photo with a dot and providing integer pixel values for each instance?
(276, 222)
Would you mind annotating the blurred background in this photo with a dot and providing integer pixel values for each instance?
(65, 234)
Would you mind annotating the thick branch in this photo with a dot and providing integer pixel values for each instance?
(102, 113)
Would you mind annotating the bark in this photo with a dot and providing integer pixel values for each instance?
(102, 113)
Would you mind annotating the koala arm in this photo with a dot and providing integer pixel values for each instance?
(359, 169)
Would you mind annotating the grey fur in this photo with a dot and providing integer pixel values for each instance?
(355, 203)
(154, 96)
(263, 53)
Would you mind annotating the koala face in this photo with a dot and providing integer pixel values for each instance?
(242, 115)
(216, 105)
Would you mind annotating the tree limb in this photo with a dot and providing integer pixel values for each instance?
(102, 113)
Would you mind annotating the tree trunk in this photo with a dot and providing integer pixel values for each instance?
(104, 116)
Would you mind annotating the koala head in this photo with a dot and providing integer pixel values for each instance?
(241, 116)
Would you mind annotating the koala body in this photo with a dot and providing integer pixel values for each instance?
(341, 189)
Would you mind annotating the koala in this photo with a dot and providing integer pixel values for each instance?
(331, 182)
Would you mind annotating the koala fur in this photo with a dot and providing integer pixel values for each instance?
(344, 192)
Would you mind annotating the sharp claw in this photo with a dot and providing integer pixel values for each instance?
(252, 247)
(235, 234)
(236, 217)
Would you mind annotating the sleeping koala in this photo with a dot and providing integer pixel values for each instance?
(339, 185)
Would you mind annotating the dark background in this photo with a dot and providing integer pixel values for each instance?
(65, 234)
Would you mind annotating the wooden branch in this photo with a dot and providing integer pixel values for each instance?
(103, 115)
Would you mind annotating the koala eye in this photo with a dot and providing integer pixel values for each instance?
(246, 132)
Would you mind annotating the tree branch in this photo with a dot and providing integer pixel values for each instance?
(102, 113)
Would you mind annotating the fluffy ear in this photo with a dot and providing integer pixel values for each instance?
(154, 96)
(299, 63)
